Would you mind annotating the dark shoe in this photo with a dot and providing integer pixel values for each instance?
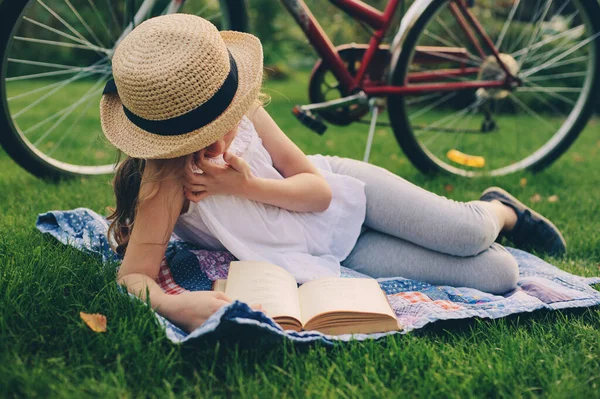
(532, 232)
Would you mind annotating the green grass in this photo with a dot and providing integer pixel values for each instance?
(48, 352)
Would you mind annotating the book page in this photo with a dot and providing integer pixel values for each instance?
(219, 285)
(262, 283)
(360, 295)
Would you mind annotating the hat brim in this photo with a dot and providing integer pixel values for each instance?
(138, 143)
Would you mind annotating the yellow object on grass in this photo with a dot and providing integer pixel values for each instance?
(475, 161)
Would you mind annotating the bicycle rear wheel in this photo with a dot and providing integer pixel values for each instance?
(554, 46)
(55, 59)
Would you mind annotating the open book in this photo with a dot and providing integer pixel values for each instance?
(330, 305)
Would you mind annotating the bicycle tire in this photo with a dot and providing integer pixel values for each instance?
(234, 17)
(405, 135)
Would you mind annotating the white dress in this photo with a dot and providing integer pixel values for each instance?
(308, 244)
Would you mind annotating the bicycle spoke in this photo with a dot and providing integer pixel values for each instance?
(82, 21)
(460, 136)
(420, 99)
(456, 59)
(536, 31)
(66, 24)
(565, 62)
(199, 13)
(534, 16)
(549, 63)
(30, 92)
(530, 111)
(559, 76)
(519, 18)
(555, 110)
(45, 64)
(49, 119)
(112, 13)
(552, 94)
(93, 5)
(66, 82)
(454, 116)
(39, 89)
(141, 14)
(433, 105)
(506, 25)
(448, 31)
(565, 43)
(61, 44)
(72, 107)
(449, 44)
(82, 112)
(548, 40)
(54, 73)
(213, 16)
(49, 28)
(447, 126)
(550, 89)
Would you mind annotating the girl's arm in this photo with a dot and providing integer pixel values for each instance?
(152, 228)
(303, 189)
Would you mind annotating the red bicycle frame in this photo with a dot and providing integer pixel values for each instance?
(380, 21)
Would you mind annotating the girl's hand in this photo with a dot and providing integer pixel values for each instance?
(190, 310)
(230, 179)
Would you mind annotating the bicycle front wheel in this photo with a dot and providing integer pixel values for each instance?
(55, 59)
(552, 46)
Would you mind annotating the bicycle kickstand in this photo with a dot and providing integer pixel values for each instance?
(374, 107)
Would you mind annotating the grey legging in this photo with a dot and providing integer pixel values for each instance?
(412, 233)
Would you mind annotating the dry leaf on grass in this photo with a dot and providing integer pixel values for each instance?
(448, 188)
(577, 157)
(553, 198)
(536, 198)
(523, 182)
(96, 321)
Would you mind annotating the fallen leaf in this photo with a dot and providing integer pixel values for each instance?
(330, 143)
(393, 156)
(448, 188)
(523, 182)
(381, 132)
(96, 322)
(577, 157)
(536, 198)
(553, 198)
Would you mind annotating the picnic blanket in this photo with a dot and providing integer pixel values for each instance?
(416, 303)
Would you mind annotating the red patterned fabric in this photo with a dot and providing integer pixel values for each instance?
(165, 280)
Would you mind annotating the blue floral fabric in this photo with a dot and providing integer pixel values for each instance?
(416, 303)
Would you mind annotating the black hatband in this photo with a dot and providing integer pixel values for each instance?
(192, 120)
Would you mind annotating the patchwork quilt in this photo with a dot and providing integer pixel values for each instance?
(416, 303)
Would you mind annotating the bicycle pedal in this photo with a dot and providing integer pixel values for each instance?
(309, 120)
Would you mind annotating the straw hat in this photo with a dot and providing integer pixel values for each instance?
(179, 85)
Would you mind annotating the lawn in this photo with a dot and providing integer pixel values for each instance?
(49, 352)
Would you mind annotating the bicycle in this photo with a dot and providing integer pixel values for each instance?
(462, 98)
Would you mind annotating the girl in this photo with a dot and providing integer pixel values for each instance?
(208, 162)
